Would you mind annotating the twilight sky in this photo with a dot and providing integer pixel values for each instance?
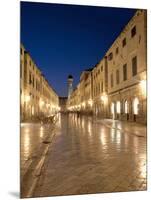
(66, 39)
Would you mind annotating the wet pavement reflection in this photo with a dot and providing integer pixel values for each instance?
(88, 157)
(31, 137)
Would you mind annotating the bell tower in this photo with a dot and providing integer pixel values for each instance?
(70, 86)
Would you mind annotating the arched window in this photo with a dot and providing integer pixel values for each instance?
(135, 105)
(112, 108)
(118, 107)
(126, 107)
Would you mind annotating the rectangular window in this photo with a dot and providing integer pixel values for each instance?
(101, 68)
(102, 86)
(117, 77)
(30, 81)
(36, 84)
(125, 72)
(133, 31)
(134, 66)
(116, 51)
(124, 42)
(110, 56)
(33, 82)
(112, 80)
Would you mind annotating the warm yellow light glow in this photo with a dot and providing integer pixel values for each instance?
(104, 98)
(89, 127)
(143, 86)
(126, 107)
(90, 102)
(135, 106)
(27, 98)
(118, 107)
(41, 132)
(83, 104)
(112, 108)
(32, 110)
(26, 139)
(41, 102)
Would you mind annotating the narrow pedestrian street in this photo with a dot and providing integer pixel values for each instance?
(87, 156)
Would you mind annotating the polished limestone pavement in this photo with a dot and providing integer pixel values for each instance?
(88, 157)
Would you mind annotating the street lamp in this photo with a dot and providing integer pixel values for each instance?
(104, 98)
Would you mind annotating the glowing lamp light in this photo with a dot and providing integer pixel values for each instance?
(90, 102)
(143, 86)
(41, 103)
(83, 104)
(27, 98)
(104, 98)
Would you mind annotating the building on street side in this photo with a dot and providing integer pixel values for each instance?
(37, 97)
(127, 65)
(116, 87)
(81, 97)
(100, 83)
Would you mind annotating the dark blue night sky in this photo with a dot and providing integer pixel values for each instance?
(66, 39)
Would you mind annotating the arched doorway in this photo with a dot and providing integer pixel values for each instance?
(126, 109)
(135, 107)
(118, 108)
(113, 110)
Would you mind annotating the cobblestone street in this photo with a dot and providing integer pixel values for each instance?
(87, 156)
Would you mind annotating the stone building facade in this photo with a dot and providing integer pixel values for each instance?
(37, 97)
(127, 65)
(81, 97)
(100, 83)
(118, 81)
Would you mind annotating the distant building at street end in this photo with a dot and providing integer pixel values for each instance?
(70, 85)
(63, 104)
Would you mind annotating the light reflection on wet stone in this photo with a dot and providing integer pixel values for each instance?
(31, 137)
(88, 157)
